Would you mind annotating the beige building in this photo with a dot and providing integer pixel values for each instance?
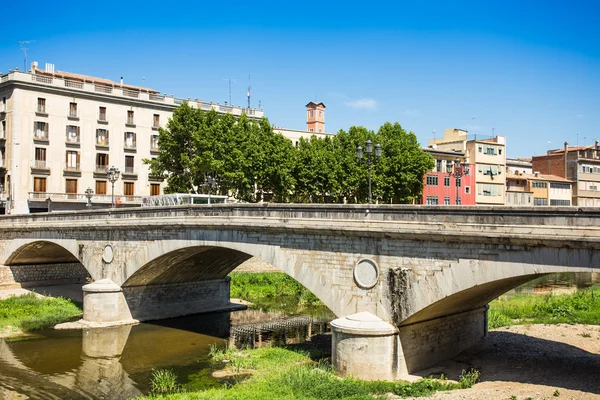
(487, 155)
(537, 190)
(60, 132)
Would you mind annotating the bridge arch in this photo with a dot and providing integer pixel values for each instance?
(44, 262)
(178, 262)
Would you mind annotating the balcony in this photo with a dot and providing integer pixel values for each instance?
(41, 137)
(81, 198)
(71, 169)
(154, 149)
(41, 111)
(102, 118)
(155, 125)
(72, 140)
(73, 116)
(130, 123)
(40, 167)
(129, 173)
(101, 143)
(129, 145)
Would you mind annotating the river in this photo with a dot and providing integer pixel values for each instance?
(117, 363)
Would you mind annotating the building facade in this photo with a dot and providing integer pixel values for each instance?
(443, 187)
(315, 117)
(60, 132)
(579, 164)
(537, 190)
(487, 157)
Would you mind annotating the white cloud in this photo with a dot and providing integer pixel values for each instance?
(362, 104)
(411, 113)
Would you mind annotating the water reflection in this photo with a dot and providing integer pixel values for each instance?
(117, 363)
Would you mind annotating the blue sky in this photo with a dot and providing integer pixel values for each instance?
(528, 70)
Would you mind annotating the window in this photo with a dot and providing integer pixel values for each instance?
(156, 121)
(102, 137)
(154, 189)
(154, 142)
(40, 130)
(128, 188)
(556, 185)
(101, 161)
(446, 181)
(446, 201)
(41, 105)
(458, 201)
(480, 149)
(311, 113)
(100, 187)
(102, 114)
(129, 164)
(431, 200)
(129, 140)
(73, 110)
(540, 201)
(560, 202)
(3, 132)
(467, 190)
(438, 165)
(72, 134)
(500, 151)
(130, 117)
(489, 190)
(71, 186)
(432, 180)
(72, 162)
(39, 185)
(539, 185)
(320, 114)
(40, 157)
(311, 130)
(458, 182)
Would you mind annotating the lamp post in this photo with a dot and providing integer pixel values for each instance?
(457, 170)
(113, 175)
(211, 183)
(89, 193)
(369, 159)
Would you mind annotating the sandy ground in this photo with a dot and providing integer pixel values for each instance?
(529, 361)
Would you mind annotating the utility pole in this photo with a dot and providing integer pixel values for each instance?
(230, 80)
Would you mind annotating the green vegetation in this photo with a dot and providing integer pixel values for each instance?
(582, 307)
(277, 373)
(29, 312)
(253, 163)
(265, 286)
(164, 381)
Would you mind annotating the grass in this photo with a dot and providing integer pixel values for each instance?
(30, 313)
(582, 307)
(278, 373)
(270, 286)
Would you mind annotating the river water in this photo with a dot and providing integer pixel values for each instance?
(117, 363)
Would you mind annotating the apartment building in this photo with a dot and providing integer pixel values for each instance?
(60, 132)
(579, 164)
(487, 156)
(537, 190)
(443, 185)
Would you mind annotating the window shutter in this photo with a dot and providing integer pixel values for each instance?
(46, 128)
(34, 126)
(78, 131)
(78, 160)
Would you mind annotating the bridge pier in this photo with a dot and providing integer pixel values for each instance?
(104, 303)
(366, 347)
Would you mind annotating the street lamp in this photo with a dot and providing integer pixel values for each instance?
(113, 175)
(460, 170)
(210, 183)
(369, 160)
(89, 193)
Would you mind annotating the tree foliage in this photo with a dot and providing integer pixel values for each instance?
(252, 163)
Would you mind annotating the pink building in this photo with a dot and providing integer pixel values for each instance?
(441, 187)
(315, 117)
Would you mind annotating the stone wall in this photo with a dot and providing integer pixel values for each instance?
(425, 343)
(42, 274)
(172, 300)
(256, 264)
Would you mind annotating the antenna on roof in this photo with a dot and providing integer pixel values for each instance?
(249, 91)
(23, 44)
(230, 80)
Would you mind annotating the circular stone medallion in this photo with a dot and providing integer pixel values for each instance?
(366, 274)
(107, 254)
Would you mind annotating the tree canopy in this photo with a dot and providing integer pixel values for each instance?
(250, 162)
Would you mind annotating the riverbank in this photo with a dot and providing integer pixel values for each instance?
(31, 312)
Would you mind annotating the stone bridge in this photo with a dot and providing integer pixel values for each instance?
(410, 284)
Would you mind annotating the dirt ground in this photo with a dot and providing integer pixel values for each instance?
(529, 362)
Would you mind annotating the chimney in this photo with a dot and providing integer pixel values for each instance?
(566, 156)
(537, 174)
(121, 80)
(34, 66)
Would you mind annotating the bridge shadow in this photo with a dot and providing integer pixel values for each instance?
(512, 357)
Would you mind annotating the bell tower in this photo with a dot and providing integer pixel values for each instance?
(315, 117)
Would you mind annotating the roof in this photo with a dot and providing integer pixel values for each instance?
(572, 148)
(540, 177)
(443, 152)
(90, 79)
(312, 103)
